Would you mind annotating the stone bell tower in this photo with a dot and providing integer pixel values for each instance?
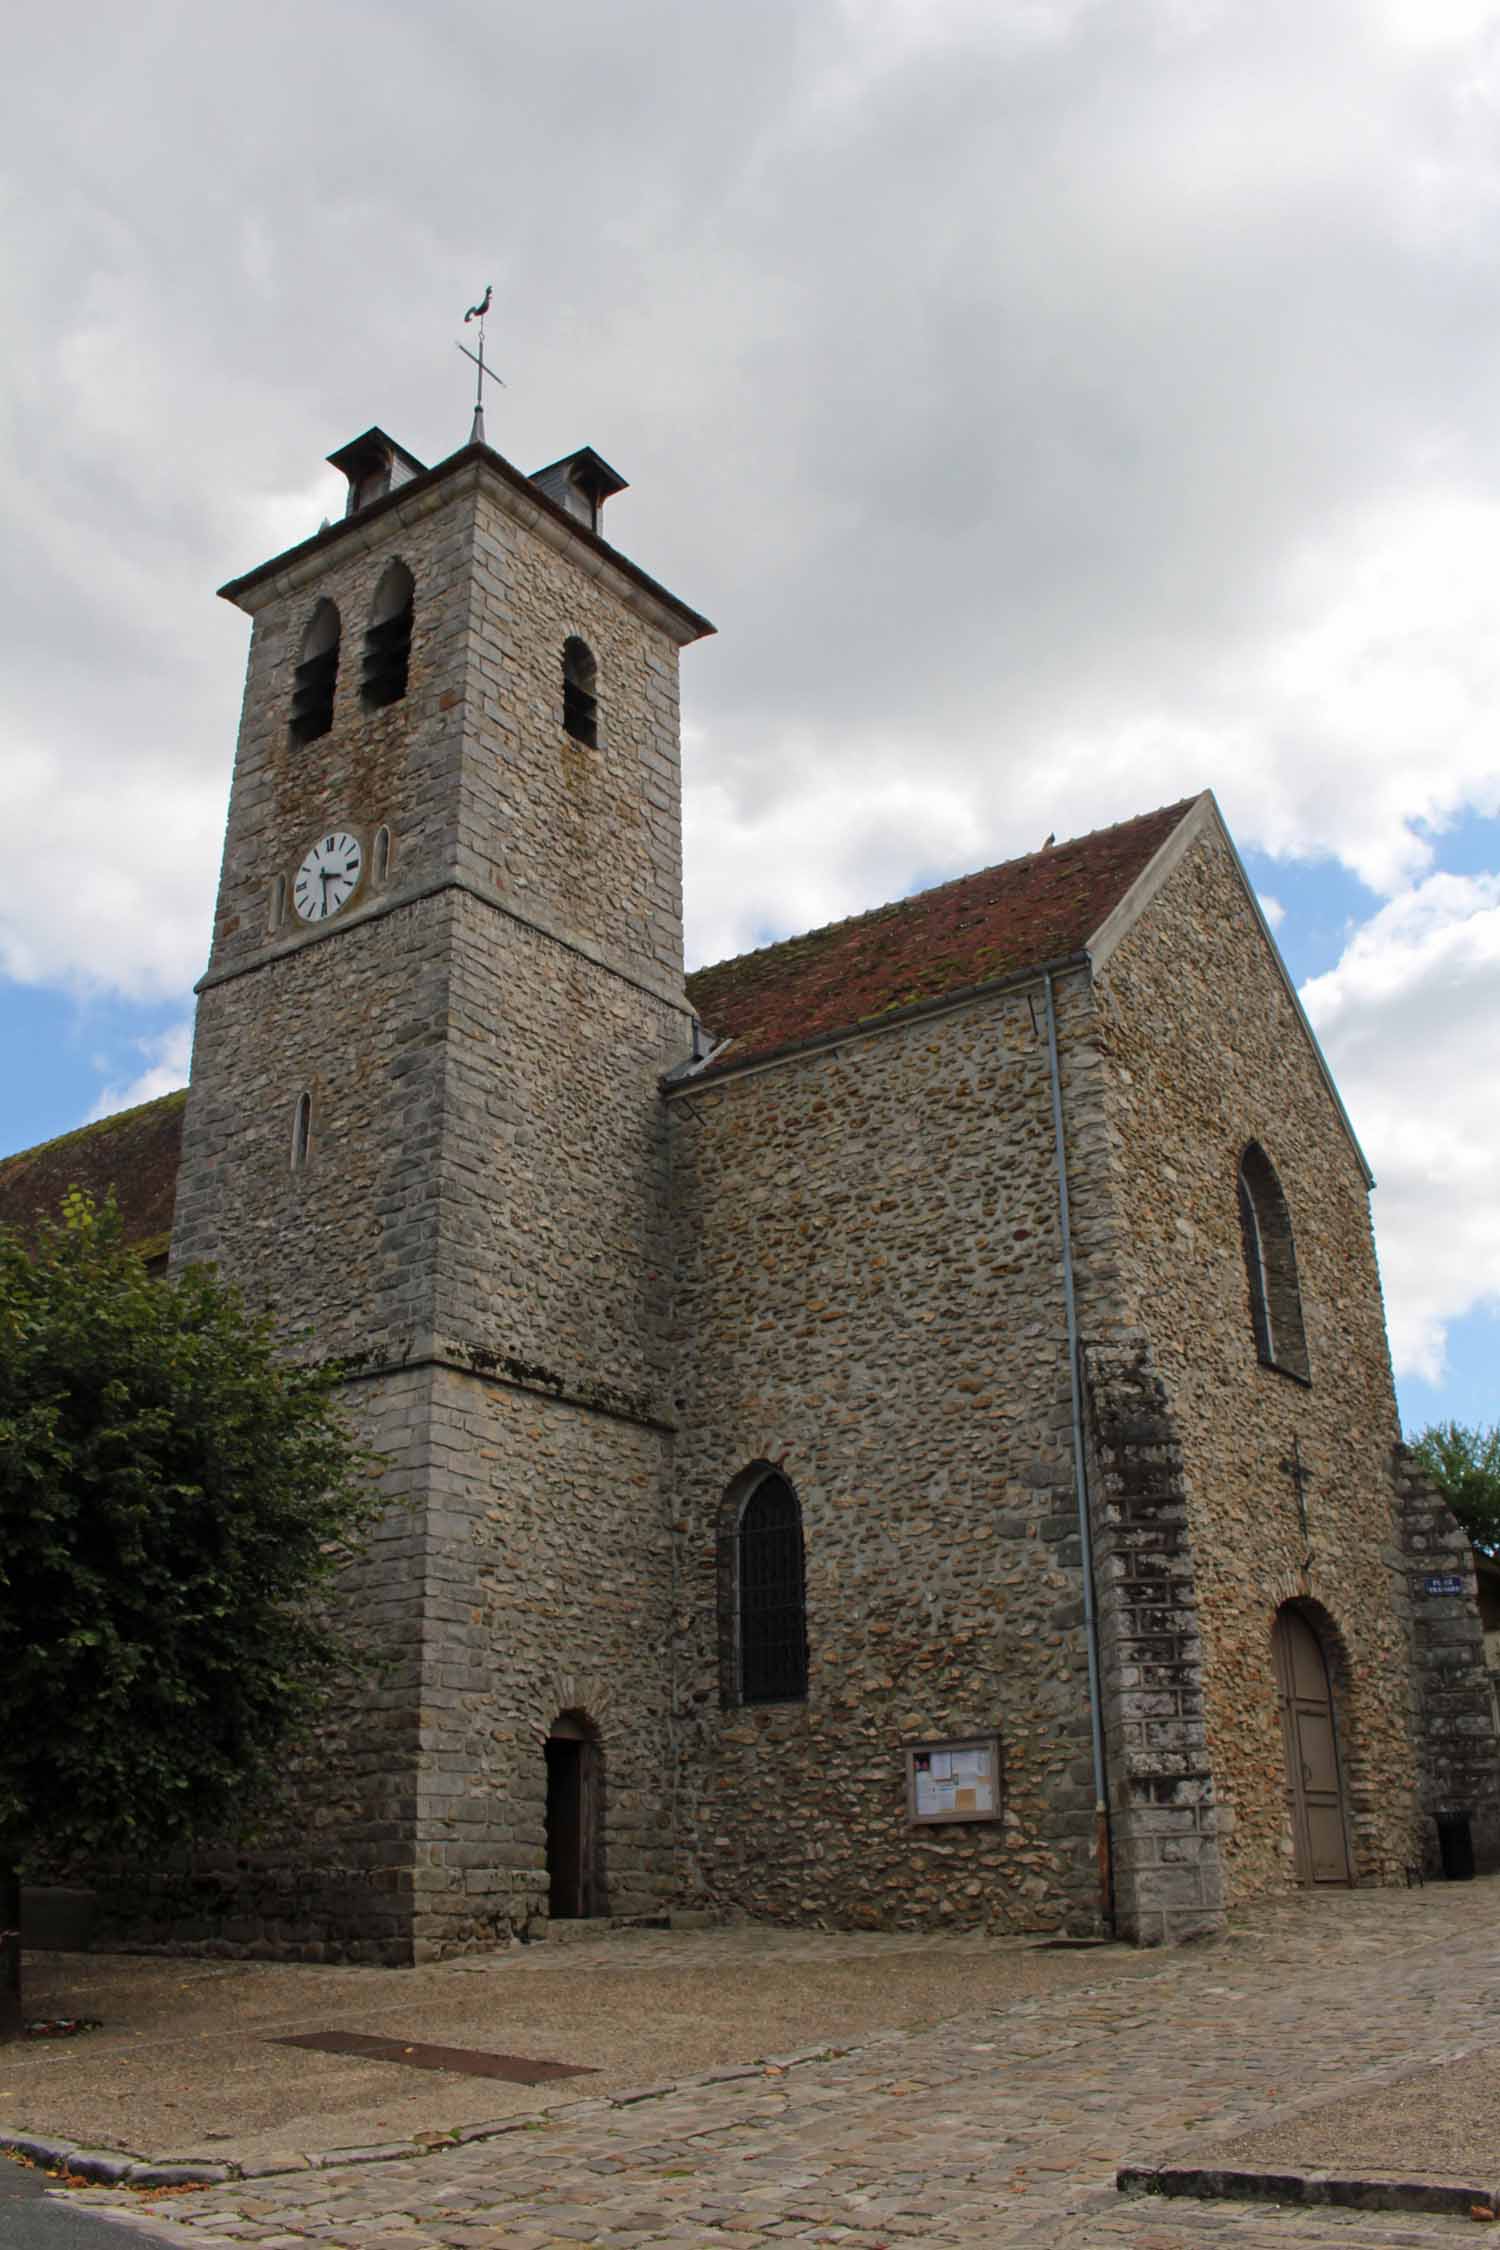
(424, 1127)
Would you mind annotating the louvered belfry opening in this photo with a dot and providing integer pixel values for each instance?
(317, 675)
(772, 1597)
(388, 638)
(580, 699)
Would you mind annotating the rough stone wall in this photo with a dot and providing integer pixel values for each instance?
(344, 1247)
(1453, 1695)
(480, 1228)
(869, 1297)
(1205, 1052)
(589, 839)
(553, 1261)
(399, 765)
(1164, 1828)
(548, 1571)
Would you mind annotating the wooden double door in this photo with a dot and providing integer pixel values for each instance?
(1315, 1790)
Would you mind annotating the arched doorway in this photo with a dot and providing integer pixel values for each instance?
(574, 1788)
(1315, 1793)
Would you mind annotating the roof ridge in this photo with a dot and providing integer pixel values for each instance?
(1180, 805)
(77, 1132)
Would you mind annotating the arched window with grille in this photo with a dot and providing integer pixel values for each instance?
(388, 638)
(1271, 1266)
(317, 675)
(580, 692)
(770, 1594)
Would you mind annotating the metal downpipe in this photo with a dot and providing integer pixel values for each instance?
(1080, 1473)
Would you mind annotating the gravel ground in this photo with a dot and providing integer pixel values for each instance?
(185, 2062)
(1444, 2121)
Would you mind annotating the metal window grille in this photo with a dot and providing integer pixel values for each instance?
(772, 1601)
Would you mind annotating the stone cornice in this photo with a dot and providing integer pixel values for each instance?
(466, 472)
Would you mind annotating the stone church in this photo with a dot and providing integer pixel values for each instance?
(892, 1431)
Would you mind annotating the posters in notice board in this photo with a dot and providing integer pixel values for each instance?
(954, 1780)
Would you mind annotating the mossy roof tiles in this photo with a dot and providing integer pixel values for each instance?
(135, 1153)
(969, 932)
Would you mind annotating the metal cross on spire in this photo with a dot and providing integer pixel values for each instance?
(477, 312)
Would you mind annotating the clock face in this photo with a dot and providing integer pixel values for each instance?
(328, 877)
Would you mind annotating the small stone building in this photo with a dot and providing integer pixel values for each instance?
(894, 1430)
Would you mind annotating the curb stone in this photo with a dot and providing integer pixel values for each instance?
(1372, 2191)
(122, 2168)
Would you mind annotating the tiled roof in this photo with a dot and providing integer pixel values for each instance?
(965, 933)
(135, 1153)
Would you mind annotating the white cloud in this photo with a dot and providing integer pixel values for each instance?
(1410, 1021)
(168, 1054)
(1060, 407)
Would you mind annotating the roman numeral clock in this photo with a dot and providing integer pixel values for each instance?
(328, 877)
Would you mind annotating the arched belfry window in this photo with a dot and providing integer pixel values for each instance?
(388, 638)
(580, 692)
(1271, 1266)
(317, 675)
(771, 1601)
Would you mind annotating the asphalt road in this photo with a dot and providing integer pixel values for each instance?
(30, 2220)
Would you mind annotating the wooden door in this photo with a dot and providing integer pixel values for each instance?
(564, 1831)
(572, 1825)
(1315, 1795)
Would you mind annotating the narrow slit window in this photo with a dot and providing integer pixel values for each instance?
(276, 914)
(388, 638)
(772, 1598)
(317, 675)
(1271, 1267)
(580, 692)
(380, 856)
(302, 1132)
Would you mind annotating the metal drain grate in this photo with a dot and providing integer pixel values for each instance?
(471, 2062)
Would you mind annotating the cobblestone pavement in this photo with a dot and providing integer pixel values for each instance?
(1003, 2130)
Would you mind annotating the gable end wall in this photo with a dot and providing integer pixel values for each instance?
(1205, 1051)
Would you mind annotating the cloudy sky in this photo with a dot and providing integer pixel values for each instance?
(1059, 405)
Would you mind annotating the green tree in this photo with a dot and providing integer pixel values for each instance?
(174, 1500)
(1464, 1464)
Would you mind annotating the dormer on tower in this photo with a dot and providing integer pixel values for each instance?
(375, 465)
(581, 482)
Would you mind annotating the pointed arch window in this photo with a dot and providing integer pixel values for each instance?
(317, 675)
(771, 1606)
(1271, 1266)
(580, 692)
(388, 638)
